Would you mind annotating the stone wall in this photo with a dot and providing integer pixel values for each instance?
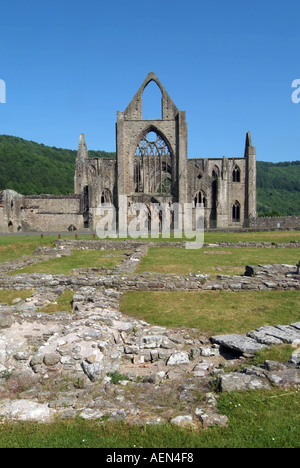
(135, 244)
(52, 213)
(39, 213)
(53, 203)
(279, 222)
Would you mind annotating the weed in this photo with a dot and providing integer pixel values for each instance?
(116, 377)
(79, 383)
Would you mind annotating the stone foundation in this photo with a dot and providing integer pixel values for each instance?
(97, 363)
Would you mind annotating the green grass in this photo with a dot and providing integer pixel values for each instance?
(264, 236)
(280, 353)
(7, 296)
(254, 422)
(63, 303)
(78, 259)
(13, 247)
(213, 312)
(219, 236)
(213, 260)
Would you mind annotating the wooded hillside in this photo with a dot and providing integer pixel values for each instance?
(31, 168)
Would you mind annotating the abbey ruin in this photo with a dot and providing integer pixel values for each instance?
(151, 166)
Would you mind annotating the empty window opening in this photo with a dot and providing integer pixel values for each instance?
(151, 137)
(215, 174)
(199, 199)
(152, 102)
(153, 165)
(86, 208)
(214, 194)
(236, 212)
(86, 198)
(236, 174)
(106, 197)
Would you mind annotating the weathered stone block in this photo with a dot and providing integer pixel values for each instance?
(238, 343)
(235, 381)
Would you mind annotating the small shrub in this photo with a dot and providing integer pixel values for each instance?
(116, 377)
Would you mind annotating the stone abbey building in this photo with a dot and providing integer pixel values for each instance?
(151, 166)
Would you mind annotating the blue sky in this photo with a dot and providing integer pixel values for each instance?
(69, 66)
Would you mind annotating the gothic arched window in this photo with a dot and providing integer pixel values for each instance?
(106, 197)
(153, 165)
(236, 212)
(236, 174)
(200, 199)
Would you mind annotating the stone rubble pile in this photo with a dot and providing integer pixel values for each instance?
(134, 244)
(123, 281)
(97, 363)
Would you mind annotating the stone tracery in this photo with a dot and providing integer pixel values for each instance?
(153, 165)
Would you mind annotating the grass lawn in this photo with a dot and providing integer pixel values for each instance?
(263, 236)
(214, 312)
(16, 247)
(8, 295)
(213, 260)
(253, 423)
(78, 259)
(12, 247)
(214, 237)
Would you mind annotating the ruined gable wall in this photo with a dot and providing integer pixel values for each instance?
(101, 176)
(132, 134)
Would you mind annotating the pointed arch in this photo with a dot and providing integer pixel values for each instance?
(153, 163)
(152, 99)
(199, 198)
(236, 212)
(134, 108)
(236, 174)
(152, 77)
(215, 172)
(106, 197)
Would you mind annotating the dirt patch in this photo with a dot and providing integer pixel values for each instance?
(217, 252)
